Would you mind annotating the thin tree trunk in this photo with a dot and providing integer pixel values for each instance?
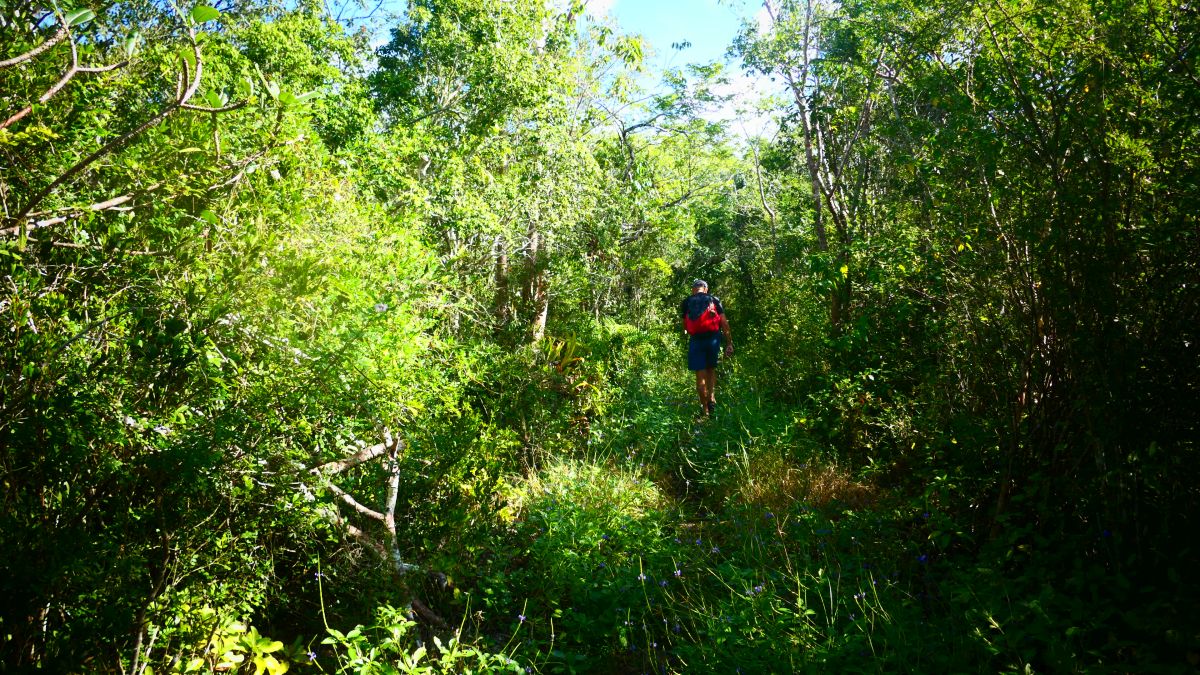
(500, 281)
(538, 296)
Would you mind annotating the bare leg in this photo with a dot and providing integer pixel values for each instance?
(712, 387)
(702, 389)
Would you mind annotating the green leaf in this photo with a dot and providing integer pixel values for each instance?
(131, 45)
(190, 58)
(79, 16)
(204, 13)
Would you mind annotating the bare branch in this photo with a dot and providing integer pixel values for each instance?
(364, 455)
(354, 504)
(75, 212)
(54, 39)
(689, 194)
(228, 108)
(74, 69)
(336, 518)
(184, 97)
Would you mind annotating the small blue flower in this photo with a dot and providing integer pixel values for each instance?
(697, 542)
(604, 537)
(641, 577)
(318, 575)
(312, 656)
(770, 515)
(678, 573)
(860, 596)
(922, 558)
(663, 583)
(716, 549)
(520, 618)
(758, 588)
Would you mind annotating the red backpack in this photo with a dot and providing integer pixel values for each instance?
(701, 316)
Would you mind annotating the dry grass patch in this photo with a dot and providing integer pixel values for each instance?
(775, 483)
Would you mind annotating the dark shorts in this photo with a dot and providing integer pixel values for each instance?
(704, 351)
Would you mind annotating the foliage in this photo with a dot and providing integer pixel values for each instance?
(300, 334)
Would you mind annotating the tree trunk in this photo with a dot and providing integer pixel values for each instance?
(500, 282)
(538, 297)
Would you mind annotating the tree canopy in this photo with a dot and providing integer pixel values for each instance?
(321, 352)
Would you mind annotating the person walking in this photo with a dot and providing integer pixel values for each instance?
(704, 321)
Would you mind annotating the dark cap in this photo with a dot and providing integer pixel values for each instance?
(699, 283)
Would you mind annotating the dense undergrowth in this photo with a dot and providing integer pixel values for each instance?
(323, 357)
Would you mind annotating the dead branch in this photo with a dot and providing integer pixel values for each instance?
(364, 455)
(354, 504)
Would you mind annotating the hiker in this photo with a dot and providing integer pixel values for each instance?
(704, 320)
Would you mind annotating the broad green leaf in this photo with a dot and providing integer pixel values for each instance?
(245, 88)
(203, 13)
(79, 16)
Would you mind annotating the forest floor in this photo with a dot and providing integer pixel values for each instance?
(726, 544)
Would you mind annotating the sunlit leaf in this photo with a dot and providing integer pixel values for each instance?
(203, 13)
(79, 17)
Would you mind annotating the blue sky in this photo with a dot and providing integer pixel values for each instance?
(709, 25)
